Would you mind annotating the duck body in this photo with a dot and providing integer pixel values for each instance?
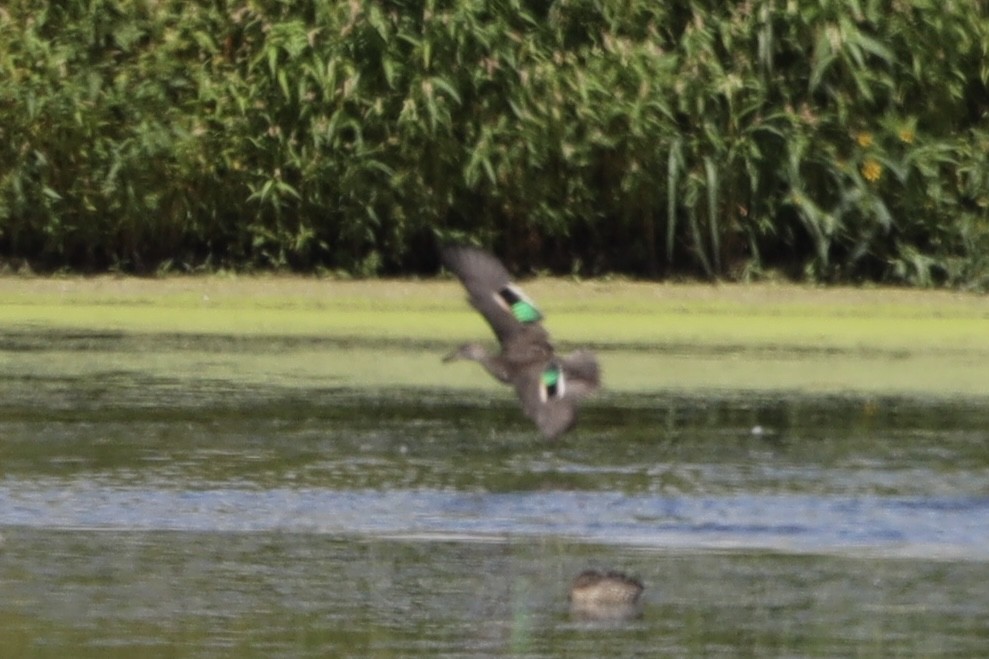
(610, 595)
(548, 386)
(600, 588)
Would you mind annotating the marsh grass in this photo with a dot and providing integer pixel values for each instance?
(826, 140)
(291, 332)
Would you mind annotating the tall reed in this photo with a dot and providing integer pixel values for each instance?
(821, 139)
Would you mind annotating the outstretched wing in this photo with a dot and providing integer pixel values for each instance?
(549, 396)
(583, 375)
(503, 304)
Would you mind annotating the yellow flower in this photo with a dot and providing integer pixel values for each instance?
(872, 170)
(906, 135)
(864, 139)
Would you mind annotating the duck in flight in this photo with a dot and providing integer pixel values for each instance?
(549, 386)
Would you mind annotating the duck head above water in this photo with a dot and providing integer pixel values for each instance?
(605, 595)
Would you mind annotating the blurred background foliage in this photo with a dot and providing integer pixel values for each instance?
(826, 140)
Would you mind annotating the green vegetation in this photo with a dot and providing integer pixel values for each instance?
(291, 332)
(825, 139)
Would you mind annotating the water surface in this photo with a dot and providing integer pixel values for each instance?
(196, 514)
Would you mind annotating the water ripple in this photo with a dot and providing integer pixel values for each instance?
(919, 527)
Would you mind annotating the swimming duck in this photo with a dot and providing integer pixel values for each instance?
(610, 594)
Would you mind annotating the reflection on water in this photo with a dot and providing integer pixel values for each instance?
(148, 516)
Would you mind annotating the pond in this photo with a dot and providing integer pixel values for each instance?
(194, 515)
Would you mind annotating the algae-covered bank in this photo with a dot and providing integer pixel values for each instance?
(691, 338)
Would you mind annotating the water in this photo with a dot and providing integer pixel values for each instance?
(189, 517)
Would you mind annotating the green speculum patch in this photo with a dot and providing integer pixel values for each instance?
(551, 376)
(525, 312)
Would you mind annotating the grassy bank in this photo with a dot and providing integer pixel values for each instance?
(291, 332)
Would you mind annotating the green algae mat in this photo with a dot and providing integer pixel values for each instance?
(690, 338)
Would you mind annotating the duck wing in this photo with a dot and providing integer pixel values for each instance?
(544, 391)
(583, 375)
(508, 310)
